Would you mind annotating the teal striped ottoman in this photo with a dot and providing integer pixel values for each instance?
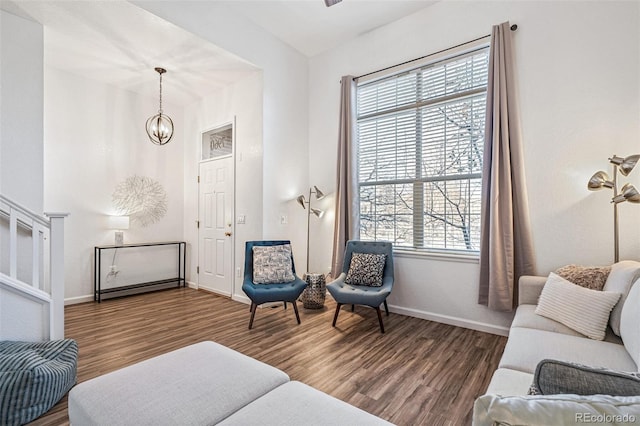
(33, 377)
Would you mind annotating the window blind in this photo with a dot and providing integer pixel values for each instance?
(420, 146)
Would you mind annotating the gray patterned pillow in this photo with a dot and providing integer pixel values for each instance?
(272, 264)
(366, 269)
(559, 377)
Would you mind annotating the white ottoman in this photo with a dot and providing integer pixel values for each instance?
(200, 384)
(295, 404)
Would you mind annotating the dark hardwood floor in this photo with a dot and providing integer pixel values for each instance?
(417, 373)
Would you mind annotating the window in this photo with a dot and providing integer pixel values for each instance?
(420, 145)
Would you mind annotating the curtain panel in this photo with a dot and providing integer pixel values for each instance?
(506, 247)
(347, 200)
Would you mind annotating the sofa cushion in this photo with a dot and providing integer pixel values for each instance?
(629, 320)
(586, 311)
(526, 317)
(506, 381)
(591, 277)
(622, 275)
(526, 347)
(555, 377)
(294, 404)
(545, 410)
(198, 384)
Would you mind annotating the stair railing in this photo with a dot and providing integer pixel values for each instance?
(45, 279)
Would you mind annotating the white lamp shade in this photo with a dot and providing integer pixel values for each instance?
(119, 222)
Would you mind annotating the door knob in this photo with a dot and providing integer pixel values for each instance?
(228, 234)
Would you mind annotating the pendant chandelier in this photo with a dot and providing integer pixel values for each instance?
(160, 126)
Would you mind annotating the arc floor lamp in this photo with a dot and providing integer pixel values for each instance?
(319, 195)
(628, 192)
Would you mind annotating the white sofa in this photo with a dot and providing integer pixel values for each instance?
(533, 338)
(205, 384)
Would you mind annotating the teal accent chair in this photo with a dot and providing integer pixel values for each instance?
(346, 294)
(266, 293)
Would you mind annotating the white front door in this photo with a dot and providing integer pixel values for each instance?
(216, 226)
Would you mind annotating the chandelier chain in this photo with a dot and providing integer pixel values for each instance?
(160, 110)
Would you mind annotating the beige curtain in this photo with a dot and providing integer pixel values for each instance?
(346, 213)
(506, 249)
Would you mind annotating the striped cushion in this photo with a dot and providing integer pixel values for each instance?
(34, 377)
(585, 311)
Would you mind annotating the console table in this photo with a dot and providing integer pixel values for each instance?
(145, 286)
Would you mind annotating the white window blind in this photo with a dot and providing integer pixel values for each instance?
(420, 142)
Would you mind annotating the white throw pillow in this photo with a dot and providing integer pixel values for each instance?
(630, 323)
(619, 280)
(583, 310)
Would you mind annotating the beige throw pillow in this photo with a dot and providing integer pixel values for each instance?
(592, 277)
(583, 310)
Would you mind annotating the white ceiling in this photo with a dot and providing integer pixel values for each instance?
(120, 44)
(312, 28)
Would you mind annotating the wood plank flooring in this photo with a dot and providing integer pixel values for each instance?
(417, 373)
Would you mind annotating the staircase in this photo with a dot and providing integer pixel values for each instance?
(31, 273)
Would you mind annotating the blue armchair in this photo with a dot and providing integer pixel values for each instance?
(346, 294)
(266, 293)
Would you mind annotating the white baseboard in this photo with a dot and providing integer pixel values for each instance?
(214, 291)
(455, 321)
(78, 299)
(241, 298)
(89, 297)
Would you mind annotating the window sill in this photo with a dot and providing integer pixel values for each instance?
(434, 255)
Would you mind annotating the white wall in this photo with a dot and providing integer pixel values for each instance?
(21, 159)
(284, 108)
(22, 318)
(21, 97)
(241, 101)
(579, 87)
(94, 139)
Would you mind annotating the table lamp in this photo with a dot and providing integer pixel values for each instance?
(119, 223)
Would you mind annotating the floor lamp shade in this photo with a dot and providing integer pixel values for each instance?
(628, 192)
(625, 165)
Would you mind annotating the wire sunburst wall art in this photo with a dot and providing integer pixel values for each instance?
(141, 198)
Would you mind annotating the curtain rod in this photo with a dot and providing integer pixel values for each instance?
(513, 28)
